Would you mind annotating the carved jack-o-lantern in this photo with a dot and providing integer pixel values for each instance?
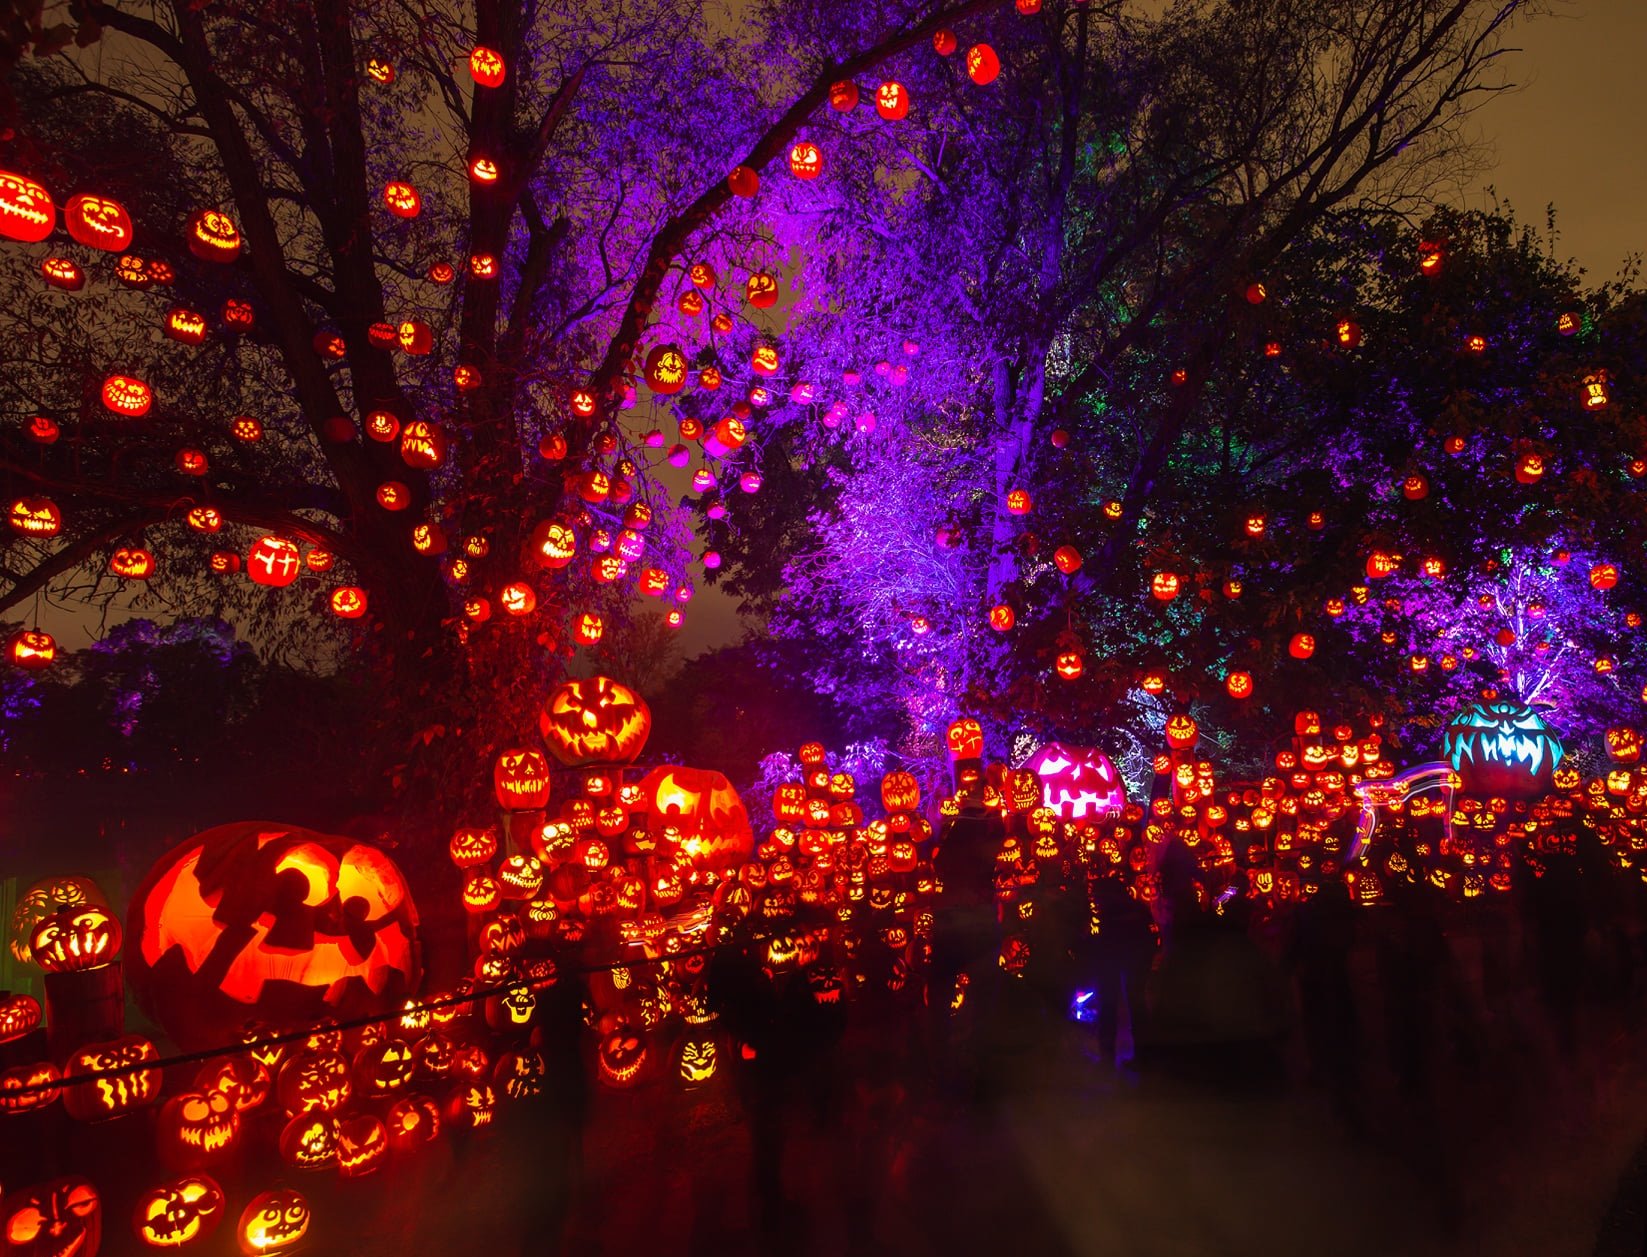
(966, 739)
(99, 1098)
(197, 1128)
(31, 648)
(486, 67)
(212, 236)
(1077, 782)
(520, 778)
(35, 517)
(62, 1218)
(402, 199)
(128, 396)
(1182, 731)
(132, 562)
(179, 1213)
(19, 1014)
(98, 222)
(805, 160)
(64, 273)
(75, 939)
(274, 561)
(26, 209)
(666, 369)
(423, 444)
(595, 721)
(362, 1145)
(1624, 744)
(1502, 750)
(269, 921)
(620, 1051)
(703, 808)
(273, 1222)
(25, 1088)
(892, 101)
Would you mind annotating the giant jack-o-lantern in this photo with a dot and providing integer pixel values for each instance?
(703, 806)
(269, 922)
(1077, 782)
(595, 720)
(62, 1218)
(1502, 750)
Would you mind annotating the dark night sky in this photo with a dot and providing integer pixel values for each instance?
(1569, 136)
(1572, 135)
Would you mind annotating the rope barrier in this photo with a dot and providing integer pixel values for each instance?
(356, 1023)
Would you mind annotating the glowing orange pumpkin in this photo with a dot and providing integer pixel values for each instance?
(26, 209)
(98, 222)
(271, 922)
(706, 811)
(595, 721)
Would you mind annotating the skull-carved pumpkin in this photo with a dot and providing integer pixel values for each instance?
(197, 1127)
(273, 922)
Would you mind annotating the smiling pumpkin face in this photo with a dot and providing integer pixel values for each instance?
(26, 210)
(98, 222)
(1077, 782)
(273, 1222)
(62, 1218)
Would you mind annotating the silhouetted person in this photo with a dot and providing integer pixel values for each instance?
(1412, 957)
(1323, 937)
(965, 934)
(1122, 951)
(1558, 921)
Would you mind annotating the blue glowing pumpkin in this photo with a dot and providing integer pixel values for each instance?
(1502, 749)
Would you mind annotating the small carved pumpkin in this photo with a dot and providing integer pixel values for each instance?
(179, 1213)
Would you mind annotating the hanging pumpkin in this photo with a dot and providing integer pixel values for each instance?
(35, 517)
(31, 649)
(212, 236)
(26, 210)
(486, 67)
(666, 370)
(98, 222)
(892, 101)
(272, 922)
(273, 561)
(127, 395)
